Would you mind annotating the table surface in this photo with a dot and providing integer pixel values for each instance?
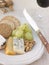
(41, 16)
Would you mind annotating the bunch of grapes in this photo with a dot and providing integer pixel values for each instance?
(24, 31)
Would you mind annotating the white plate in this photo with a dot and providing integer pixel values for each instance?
(26, 58)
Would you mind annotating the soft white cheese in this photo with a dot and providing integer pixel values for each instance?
(2, 40)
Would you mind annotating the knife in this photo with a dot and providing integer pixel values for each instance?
(36, 28)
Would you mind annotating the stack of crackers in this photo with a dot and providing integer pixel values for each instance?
(7, 25)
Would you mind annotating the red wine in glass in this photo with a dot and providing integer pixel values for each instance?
(43, 3)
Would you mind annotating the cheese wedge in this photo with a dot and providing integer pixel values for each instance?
(18, 46)
(9, 47)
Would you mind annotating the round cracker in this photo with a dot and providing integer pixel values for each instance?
(9, 22)
(5, 30)
(14, 19)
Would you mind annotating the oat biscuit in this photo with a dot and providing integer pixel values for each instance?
(5, 30)
(9, 22)
(12, 18)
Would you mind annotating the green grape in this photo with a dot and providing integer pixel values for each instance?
(25, 28)
(19, 34)
(28, 36)
(22, 27)
(13, 33)
(21, 30)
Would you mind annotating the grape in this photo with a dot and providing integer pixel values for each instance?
(28, 36)
(13, 33)
(22, 27)
(19, 34)
(25, 28)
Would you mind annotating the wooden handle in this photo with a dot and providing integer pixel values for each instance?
(44, 41)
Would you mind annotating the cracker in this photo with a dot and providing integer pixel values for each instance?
(14, 19)
(9, 22)
(5, 30)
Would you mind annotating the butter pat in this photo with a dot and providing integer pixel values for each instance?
(2, 40)
(18, 45)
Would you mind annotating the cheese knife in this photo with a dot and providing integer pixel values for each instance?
(36, 28)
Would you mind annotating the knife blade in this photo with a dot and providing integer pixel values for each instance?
(36, 28)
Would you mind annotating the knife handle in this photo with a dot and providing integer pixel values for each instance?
(44, 41)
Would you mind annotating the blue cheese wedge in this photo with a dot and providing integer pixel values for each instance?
(2, 40)
(18, 45)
